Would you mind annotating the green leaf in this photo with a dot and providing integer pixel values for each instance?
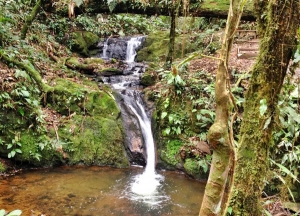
(15, 213)
(163, 115)
(18, 150)
(9, 146)
(171, 118)
(263, 107)
(198, 117)
(297, 56)
(167, 131)
(2, 212)
(267, 123)
(12, 153)
(229, 210)
(25, 93)
(286, 170)
(21, 111)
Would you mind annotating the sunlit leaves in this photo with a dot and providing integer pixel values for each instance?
(263, 106)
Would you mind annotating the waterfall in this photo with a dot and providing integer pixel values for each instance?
(104, 52)
(144, 187)
(132, 45)
(147, 183)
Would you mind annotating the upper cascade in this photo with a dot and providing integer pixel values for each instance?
(124, 48)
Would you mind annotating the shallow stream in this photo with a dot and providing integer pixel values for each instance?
(98, 191)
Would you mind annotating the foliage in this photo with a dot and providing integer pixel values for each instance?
(12, 213)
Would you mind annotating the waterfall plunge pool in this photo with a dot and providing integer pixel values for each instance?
(98, 191)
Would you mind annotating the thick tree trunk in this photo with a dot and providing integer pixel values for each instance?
(30, 19)
(277, 32)
(215, 197)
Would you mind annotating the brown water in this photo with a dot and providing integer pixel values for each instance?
(97, 191)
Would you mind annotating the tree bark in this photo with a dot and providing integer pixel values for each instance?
(223, 159)
(169, 59)
(30, 19)
(278, 22)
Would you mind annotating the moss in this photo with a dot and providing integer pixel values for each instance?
(2, 167)
(223, 5)
(155, 48)
(82, 41)
(193, 169)
(170, 153)
(94, 140)
(149, 78)
(83, 98)
(39, 150)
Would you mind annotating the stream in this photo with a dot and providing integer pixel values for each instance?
(105, 190)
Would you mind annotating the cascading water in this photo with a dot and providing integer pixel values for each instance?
(132, 45)
(104, 52)
(145, 187)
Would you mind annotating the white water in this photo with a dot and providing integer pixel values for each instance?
(132, 44)
(105, 45)
(145, 186)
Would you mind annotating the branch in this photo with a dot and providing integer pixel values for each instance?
(30, 19)
(33, 73)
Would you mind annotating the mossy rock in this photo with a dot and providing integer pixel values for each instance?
(83, 98)
(169, 155)
(149, 78)
(94, 140)
(39, 150)
(82, 41)
(192, 168)
(156, 48)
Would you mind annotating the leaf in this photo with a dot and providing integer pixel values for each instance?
(25, 93)
(286, 170)
(167, 131)
(267, 123)
(198, 117)
(163, 115)
(18, 150)
(229, 210)
(21, 111)
(12, 153)
(15, 213)
(263, 107)
(2, 212)
(297, 56)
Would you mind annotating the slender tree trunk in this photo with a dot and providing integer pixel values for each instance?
(30, 19)
(223, 159)
(169, 59)
(278, 21)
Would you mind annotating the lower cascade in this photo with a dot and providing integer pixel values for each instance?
(145, 187)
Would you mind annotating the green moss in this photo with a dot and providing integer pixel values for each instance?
(223, 5)
(170, 153)
(82, 41)
(148, 78)
(155, 48)
(94, 140)
(2, 167)
(192, 168)
(39, 150)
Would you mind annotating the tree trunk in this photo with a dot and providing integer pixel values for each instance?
(169, 59)
(278, 21)
(30, 19)
(215, 197)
